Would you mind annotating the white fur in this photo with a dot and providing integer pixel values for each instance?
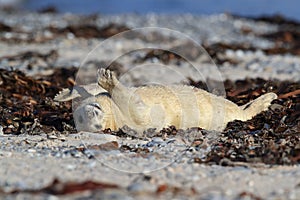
(161, 106)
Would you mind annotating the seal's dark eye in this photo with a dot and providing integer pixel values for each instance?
(96, 105)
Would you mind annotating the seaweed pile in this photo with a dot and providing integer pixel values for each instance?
(85, 30)
(271, 137)
(27, 106)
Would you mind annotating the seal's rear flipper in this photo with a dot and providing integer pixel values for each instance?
(84, 92)
(66, 94)
(258, 105)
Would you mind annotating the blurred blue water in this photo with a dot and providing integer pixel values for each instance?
(288, 8)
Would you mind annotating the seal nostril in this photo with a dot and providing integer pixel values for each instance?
(98, 127)
(80, 119)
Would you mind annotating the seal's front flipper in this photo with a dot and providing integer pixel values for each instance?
(108, 80)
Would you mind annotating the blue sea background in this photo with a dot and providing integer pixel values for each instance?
(287, 8)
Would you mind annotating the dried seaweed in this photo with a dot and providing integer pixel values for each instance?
(216, 50)
(89, 31)
(26, 104)
(164, 56)
(30, 55)
(82, 30)
(272, 19)
(48, 9)
(31, 59)
(4, 27)
(272, 137)
(286, 38)
(64, 188)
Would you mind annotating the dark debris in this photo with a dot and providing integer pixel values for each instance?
(89, 31)
(164, 56)
(58, 187)
(83, 30)
(271, 137)
(26, 103)
(286, 39)
(272, 19)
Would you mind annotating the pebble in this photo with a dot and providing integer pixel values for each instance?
(92, 164)
(5, 153)
(31, 150)
(254, 67)
(240, 53)
(70, 167)
(52, 197)
(250, 183)
(57, 154)
(156, 141)
(141, 187)
(52, 137)
(74, 153)
(98, 138)
(62, 138)
(135, 187)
